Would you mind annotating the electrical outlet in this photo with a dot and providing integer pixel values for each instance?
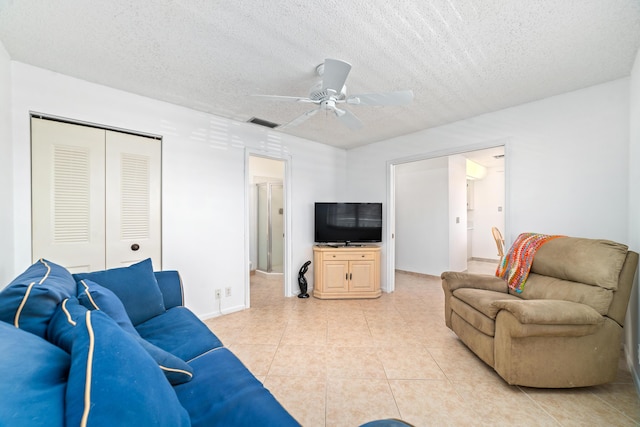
(217, 293)
(227, 292)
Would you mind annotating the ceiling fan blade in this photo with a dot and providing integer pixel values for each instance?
(348, 118)
(335, 74)
(401, 97)
(286, 98)
(299, 119)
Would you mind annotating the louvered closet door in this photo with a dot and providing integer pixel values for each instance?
(133, 199)
(68, 199)
(95, 196)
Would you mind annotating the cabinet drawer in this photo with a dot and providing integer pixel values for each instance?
(354, 256)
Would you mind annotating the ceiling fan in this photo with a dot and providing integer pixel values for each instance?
(330, 92)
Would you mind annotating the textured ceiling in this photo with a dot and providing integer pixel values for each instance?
(461, 58)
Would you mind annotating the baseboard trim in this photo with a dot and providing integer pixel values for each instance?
(224, 311)
(269, 276)
(413, 273)
(632, 368)
(483, 259)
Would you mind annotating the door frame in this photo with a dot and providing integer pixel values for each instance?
(390, 264)
(286, 191)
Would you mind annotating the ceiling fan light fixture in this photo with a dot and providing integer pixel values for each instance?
(339, 112)
(331, 90)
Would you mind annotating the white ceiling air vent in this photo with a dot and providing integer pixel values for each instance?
(262, 122)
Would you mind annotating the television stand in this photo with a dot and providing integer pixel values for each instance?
(346, 272)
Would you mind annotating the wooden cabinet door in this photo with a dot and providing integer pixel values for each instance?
(361, 276)
(336, 276)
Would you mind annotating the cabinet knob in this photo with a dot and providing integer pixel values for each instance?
(135, 247)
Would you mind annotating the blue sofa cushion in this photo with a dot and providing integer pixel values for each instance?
(113, 381)
(96, 297)
(61, 330)
(237, 399)
(136, 286)
(28, 302)
(179, 332)
(171, 287)
(34, 377)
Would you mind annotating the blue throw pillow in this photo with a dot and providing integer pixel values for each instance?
(61, 327)
(61, 333)
(28, 302)
(136, 286)
(114, 382)
(34, 377)
(176, 370)
(96, 297)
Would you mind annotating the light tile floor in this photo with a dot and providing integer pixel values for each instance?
(346, 362)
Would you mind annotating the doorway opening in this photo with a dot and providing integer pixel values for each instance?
(441, 210)
(268, 223)
(270, 227)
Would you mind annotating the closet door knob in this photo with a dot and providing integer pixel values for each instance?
(135, 247)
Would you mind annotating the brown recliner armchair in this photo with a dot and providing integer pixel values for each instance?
(563, 330)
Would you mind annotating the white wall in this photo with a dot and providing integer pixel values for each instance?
(203, 178)
(632, 322)
(422, 213)
(6, 171)
(566, 161)
(457, 215)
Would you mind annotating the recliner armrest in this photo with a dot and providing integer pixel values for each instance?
(452, 280)
(550, 312)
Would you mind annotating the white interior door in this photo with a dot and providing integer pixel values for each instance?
(68, 199)
(133, 199)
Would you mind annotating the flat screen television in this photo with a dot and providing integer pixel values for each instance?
(348, 223)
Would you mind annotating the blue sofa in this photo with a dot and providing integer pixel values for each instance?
(117, 347)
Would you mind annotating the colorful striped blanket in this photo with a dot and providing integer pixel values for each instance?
(515, 265)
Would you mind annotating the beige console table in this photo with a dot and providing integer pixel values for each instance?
(346, 272)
